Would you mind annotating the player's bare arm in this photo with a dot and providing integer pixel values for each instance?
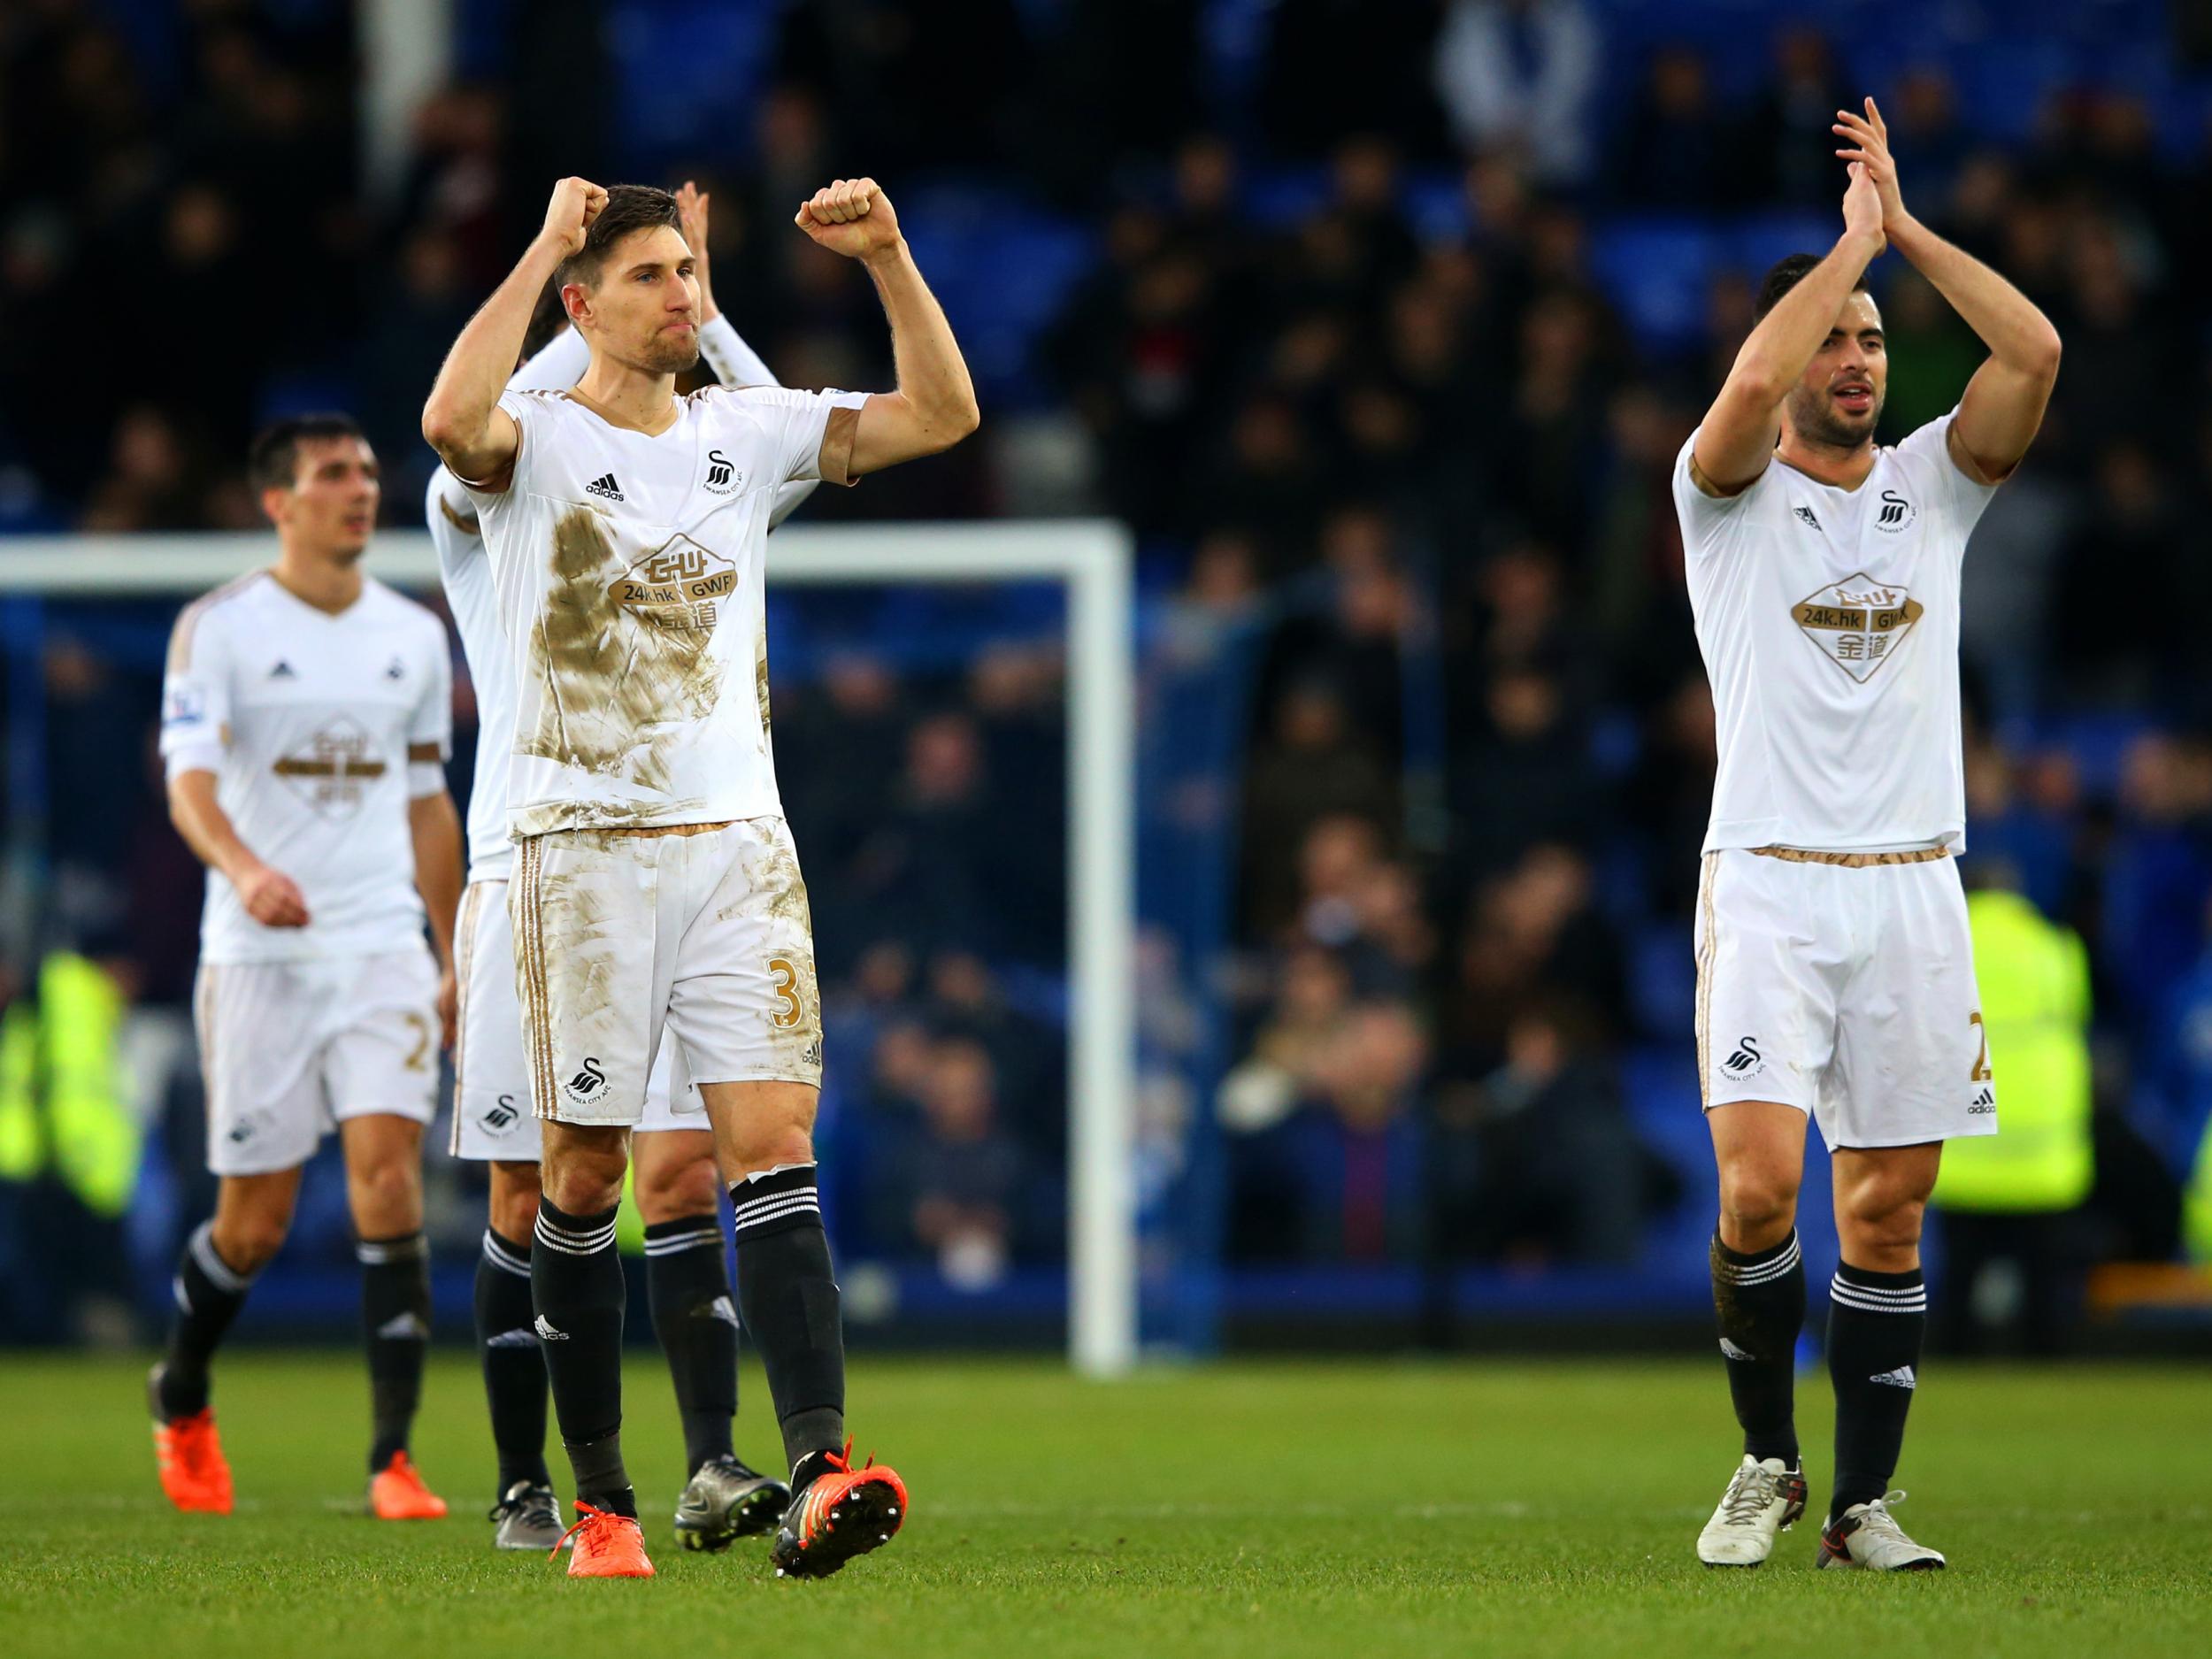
(271, 897)
(934, 406)
(2004, 403)
(1736, 440)
(434, 827)
(691, 207)
(463, 420)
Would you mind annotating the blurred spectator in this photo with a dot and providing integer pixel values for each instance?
(1552, 1171)
(1790, 152)
(961, 1181)
(1519, 75)
(1673, 148)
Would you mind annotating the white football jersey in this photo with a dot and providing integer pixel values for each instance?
(465, 570)
(629, 574)
(1829, 621)
(319, 729)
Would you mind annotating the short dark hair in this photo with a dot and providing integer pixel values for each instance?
(1786, 274)
(272, 463)
(629, 207)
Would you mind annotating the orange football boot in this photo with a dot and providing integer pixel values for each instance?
(398, 1493)
(843, 1512)
(193, 1472)
(608, 1545)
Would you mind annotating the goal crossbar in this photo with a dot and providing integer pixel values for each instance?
(1092, 559)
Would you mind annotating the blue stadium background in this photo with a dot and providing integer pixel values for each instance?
(1380, 325)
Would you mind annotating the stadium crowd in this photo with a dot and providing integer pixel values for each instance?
(1368, 355)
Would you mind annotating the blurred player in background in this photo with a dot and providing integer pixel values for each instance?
(655, 884)
(678, 1195)
(305, 721)
(1835, 972)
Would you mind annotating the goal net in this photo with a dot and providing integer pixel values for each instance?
(955, 725)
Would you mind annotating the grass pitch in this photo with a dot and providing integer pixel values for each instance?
(1341, 1510)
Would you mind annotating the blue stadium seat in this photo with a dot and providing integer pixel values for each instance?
(1656, 270)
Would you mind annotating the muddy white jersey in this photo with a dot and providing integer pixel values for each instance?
(319, 730)
(629, 574)
(1829, 621)
(469, 594)
(465, 570)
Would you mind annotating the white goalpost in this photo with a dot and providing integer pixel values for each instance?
(1092, 560)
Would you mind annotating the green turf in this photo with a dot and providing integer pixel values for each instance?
(1353, 1509)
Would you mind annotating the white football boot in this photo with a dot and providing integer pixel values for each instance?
(1867, 1536)
(1762, 1499)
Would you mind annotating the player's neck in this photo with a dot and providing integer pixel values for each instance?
(1827, 462)
(328, 584)
(623, 395)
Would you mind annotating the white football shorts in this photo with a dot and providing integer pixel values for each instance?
(291, 1049)
(701, 931)
(1843, 990)
(491, 1083)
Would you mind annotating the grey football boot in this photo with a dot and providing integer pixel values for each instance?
(724, 1502)
(529, 1518)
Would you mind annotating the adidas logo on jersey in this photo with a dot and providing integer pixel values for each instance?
(604, 485)
(1806, 513)
(282, 670)
(1901, 1378)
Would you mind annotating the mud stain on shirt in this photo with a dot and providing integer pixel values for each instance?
(620, 687)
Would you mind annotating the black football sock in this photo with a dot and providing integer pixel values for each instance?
(208, 1293)
(514, 1371)
(1876, 1321)
(1759, 1303)
(688, 1285)
(787, 1293)
(576, 1283)
(395, 1323)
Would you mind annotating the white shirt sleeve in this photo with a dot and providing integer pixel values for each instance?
(799, 423)
(560, 363)
(1928, 451)
(1708, 521)
(532, 417)
(431, 725)
(196, 697)
(734, 362)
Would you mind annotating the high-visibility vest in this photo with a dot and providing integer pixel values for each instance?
(2034, 979)
(2196, 1205)
(64, 1102)
(22, 1149)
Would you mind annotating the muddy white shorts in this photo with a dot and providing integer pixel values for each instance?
(701, 931)
(291, 1049)
(1845, 990)
(491, 1084)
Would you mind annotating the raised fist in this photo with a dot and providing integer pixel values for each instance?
(852, 216)
(575, 204)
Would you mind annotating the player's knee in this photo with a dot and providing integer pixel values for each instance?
(583, 1176)
(248, 1243)
(772, 1146)
(514, 1199)
(1758, 1201)
(388, 1195)
(693, 1188)
(1884, 1220)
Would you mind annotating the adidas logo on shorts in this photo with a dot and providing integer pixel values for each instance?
(1901, 1378)
(1731, 1351)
